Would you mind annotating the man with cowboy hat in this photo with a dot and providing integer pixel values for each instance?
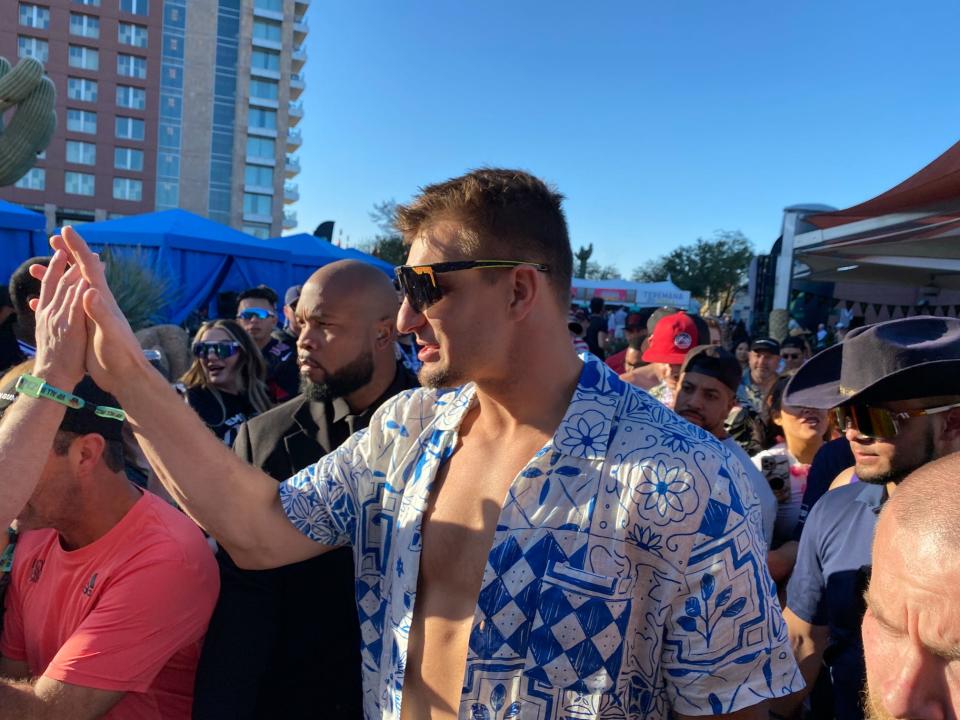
(894, 389)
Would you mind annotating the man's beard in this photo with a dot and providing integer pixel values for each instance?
(439, 378)
(343, 382)
(873, 708)
(898, 472)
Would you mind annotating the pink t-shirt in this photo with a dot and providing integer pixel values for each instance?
(126, 613)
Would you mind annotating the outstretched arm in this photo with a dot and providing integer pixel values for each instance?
(233, 501)
(29, 425)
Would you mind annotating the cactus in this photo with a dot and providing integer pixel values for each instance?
(34, 119)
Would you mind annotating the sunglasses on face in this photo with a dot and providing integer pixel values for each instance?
(222, 350)
(878, 423)
(419, 282)
(255, 314)
(791, 356)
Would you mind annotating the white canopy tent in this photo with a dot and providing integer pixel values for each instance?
(625, 292)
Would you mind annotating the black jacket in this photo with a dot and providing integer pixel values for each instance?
(286, 642)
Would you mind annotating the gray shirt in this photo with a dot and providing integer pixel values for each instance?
(768, 503)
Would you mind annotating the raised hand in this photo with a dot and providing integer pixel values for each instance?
(61, 324)
(112, 350)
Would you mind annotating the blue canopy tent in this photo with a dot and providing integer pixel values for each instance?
(199, 257)
(22, 236)
(309, 252)
(375, 261)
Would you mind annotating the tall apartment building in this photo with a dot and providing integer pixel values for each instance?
(163, 104)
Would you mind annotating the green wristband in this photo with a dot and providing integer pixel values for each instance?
(36, 388)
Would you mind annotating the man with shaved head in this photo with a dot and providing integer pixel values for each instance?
(911, 630)
(278, 637)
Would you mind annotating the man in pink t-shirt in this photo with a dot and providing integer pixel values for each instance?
(111, 589)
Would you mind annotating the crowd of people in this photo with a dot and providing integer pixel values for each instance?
(459, 496)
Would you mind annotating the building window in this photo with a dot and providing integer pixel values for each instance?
(257, 230)
(265, 60)
(127, 159)
(84, 25)
(264, 89)
(35, 179)
(81, 121)
(34, 16)
(82, 89)
(258, 147)
(78, 183)
(130, 34)
(258, 176)
(92, 3)
(32, 47)
(267, 30)
(131, 66)
(271, 5)
(81, 153)
(262, 119)
(137, 7)
(131, 97)
(168, 194)
(84, 58)
(127, 189)
(254, 204)
(128, 128)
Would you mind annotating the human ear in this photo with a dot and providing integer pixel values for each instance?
(86, 452)
(385, 333)
(525, 288)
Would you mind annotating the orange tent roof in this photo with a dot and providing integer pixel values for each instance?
(937, 183)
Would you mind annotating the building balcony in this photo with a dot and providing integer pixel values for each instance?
(255, 218)
(289, 219)
(268, 14)
(297, 86)
(291, 193)
(294, 139)
(268, 45)
(298, 57)
(300, 30)
(295, 112)
(291, 167)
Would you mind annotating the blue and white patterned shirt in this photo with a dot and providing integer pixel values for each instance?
(627, 574)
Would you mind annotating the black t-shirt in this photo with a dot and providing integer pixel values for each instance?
(283, 373)
(597, 325)
(10, 353)
(223, 419)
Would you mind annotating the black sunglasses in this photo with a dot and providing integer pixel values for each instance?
(222, 350)
(419, 282)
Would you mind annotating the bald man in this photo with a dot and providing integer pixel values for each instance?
(280, 637)
(911, 630)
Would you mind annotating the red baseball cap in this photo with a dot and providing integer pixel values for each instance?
(673, 336)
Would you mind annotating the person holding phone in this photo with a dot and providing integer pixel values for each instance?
(787, 463)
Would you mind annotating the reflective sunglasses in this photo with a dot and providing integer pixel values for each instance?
(255, 314)
(877, 423)
(419, 282)
(222, 350)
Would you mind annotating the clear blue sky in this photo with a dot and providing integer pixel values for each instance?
(659, 121)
